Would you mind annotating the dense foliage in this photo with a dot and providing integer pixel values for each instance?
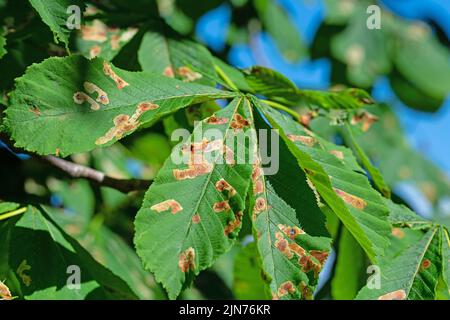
(110, 95)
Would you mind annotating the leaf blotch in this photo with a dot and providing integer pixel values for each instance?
(221, 206)
(239, 122)
(223, 185)
(81, 97)
(186, 261)
(172, 205)
(5, 294)
(216, 120)
(305, 140)
(394, 295)
(285, 288)
(108, 71)
(102, 97)
(189, 75)
(352, 200)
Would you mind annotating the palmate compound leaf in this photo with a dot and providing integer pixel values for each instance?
(69, 105)
(43, 257)
(288, 224)
(193, 210)
(273, 84)
(338, 180)
(57, 16)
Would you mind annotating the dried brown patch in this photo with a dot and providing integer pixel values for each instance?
(258, 187)
(320, 256)
(168, 72)
(366, 119)
(193, 171)
(96, 32)
(221, 206)
(5, 294)
(115, 42)
(305, 140)
(426, 264)
(338, 154)
(239, 122)
(122, 125)
(81, 97)
(291, 232)
(222, 185)
(234, 224)
(216, 120)
(307, 293)
(102, 97)
(147, 105)
(285, 288)
(283, 246)
(352, 200)
(172, 205)
(394, 295)
(298, 250)
(398, 233)
(108, 71)
(189, 75)
(95, 51)
(196, 219)
(260, 205)
(186, 261)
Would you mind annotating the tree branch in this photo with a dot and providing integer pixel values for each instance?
(78, 171)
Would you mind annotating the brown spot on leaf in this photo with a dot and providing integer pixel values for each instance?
(35, 110)
(320, 256)
(96, 32)
(115, 42)
(305, 140)
(23, 267)
(108, 71)
(338, 154)
(188, 75)
(168, 72)
(221, 206)
(172, 205)
(260, 205)
(394, 295)
(426, 264)
(285, 288)
(258, 187)
(298, 250)
(307, 293)
(352, 200)
(291, 232)
(81, 97)
(102, 97)
(283, 246)
(196, 219)
(234, 224)
(365, 118)
(193, 171)
(146, 106)
(122, 125)
(239, 122)
(398, 233)
(222, 185)
(186, 261)
(5, 294)
(216, 120)
(95, 51)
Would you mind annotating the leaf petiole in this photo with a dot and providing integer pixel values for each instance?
(12, 213)
(225, 78)
(279, 106)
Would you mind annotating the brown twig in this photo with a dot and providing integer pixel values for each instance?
(79, 171)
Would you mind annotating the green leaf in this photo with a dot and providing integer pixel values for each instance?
(45, 117)
(96, 39)
(373, 171)
(192, 212)
(2, 46)
(248, 276)
(279, 25)
(446, 257)
(331, 172)
(164, 52)
(273, 84)
(292, 253)
(55, 15)
(402, 216)
(40, 253)
(350, 268)
(231, 74)
(411, 275)
(364, 51)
